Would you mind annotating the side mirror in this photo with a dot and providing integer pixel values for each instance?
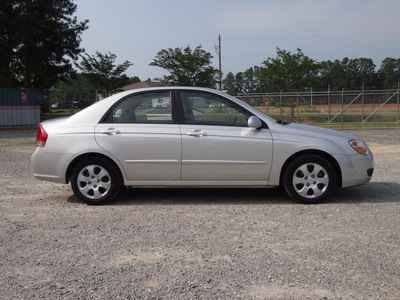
(254, 122)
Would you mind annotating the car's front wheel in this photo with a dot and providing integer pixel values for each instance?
(309, 179)
(96, 180)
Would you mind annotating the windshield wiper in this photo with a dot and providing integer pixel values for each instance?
(283, 122)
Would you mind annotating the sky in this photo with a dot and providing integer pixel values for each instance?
(250, 30)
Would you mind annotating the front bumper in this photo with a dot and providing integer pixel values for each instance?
(357, 169)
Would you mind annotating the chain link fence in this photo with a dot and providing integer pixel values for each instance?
(330, 107)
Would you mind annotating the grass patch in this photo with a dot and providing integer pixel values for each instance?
(354, 118)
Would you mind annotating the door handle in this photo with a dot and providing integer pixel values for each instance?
(111, 131)
(197, 133)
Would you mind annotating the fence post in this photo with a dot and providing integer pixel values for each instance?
(329, 103)
(398, 91)
(280, 105)
(363, 103)
(342, 106)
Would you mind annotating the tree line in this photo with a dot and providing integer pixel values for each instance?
(295, 72)
(40, 48)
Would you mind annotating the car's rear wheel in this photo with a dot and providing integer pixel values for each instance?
(309, 179)
(96, 180)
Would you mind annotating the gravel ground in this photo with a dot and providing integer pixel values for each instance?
(199, 243)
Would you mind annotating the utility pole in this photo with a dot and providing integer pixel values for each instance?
(218, 50)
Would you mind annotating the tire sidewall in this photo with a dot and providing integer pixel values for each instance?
(295, 164)
(112, 170)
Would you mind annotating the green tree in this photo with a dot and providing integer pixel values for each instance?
(133, 80)
(333, 74)
(102, 72)
(62, 91)
(361, 71)
(389, 73)
(73, 89)
(348, 74)
(8, 43)
(39, 40)
(289, 72)
(229, 84)
(239, 83)
(234, 84)
(187, 67)
(251, 83)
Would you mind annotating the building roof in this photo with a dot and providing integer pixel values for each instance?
(143, 84)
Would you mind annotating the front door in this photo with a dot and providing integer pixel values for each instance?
(217, 144)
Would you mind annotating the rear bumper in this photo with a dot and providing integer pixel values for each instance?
(49, 166)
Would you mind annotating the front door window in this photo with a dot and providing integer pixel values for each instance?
(207, 109)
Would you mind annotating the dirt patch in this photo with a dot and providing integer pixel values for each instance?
(380, 149)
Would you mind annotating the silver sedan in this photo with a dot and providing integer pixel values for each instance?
(185, 137)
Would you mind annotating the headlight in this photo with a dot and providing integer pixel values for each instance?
(359, 146)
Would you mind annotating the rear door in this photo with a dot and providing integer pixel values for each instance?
(141, 134)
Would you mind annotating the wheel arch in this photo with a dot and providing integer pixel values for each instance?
(320, 153)
(80, 158)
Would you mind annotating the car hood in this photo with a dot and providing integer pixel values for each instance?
(308, 131)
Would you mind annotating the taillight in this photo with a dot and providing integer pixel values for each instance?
(41, 137)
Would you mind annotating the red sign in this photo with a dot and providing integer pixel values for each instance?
(23, 96)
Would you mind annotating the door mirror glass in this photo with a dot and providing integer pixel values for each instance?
(254, 122)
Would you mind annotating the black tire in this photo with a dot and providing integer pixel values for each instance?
(95, 181)
(309, 179)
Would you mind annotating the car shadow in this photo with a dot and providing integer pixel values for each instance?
(374, 192)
